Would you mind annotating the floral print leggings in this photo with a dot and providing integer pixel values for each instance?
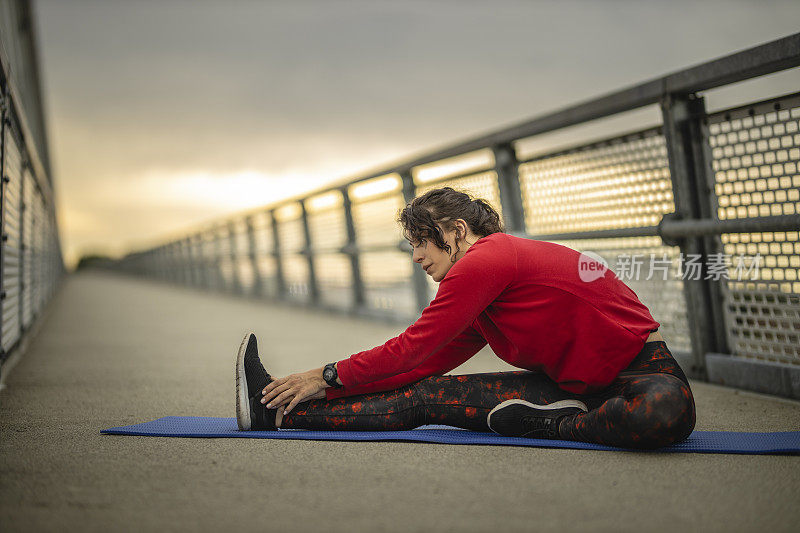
(648, 405)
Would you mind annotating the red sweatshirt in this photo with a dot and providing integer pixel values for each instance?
(527, 300)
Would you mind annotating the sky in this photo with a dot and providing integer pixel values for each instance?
(165, 115)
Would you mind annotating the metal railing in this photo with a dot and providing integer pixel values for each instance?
(30, 254)
(700, 185)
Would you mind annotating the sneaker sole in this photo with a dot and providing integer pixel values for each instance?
(561, 404)
(242, 394)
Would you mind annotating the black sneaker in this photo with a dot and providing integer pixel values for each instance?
(518, 418)
(251, 378)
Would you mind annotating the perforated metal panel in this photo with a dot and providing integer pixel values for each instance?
(481, 185)
(224, 258)
(386, 274)
(756, 150)
(375, 205)
(26, 239)
(763, 320)
(290, 228)
(210, 259)
(38, 256)
(386, 278)
(621, 182)
(267, 271)
(295, 273)
(376, 220)
(334, 280)
(292, 242)
(242, 267)
(12, 172)
(265, 260)
(326, 222)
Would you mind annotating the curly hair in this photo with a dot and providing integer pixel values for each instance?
(428, 214)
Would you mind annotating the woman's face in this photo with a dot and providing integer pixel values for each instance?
(433, 260)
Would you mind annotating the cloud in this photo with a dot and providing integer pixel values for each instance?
(176, 103)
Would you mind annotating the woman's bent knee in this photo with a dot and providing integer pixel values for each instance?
(666, 414)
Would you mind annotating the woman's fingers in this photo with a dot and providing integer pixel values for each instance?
(302, 395)
(281, 399)
(269, 398)
(292, 390)
(275, 383)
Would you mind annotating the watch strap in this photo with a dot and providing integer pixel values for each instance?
(329, 374)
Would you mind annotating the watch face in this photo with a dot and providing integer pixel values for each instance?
(327, 374)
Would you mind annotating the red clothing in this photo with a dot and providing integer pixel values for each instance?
(526, 299)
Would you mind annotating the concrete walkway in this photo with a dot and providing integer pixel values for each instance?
(117, 351)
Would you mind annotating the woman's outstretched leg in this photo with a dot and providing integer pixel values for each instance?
(460, 401)
(639, 411)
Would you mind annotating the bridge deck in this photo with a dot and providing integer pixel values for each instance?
(118, 351)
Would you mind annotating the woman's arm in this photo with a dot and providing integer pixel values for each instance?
(309, 385)
(458, 351)
(471, 285)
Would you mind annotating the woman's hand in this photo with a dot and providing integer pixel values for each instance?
(294, 389)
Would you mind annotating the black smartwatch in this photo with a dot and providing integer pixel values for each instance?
(329, 374)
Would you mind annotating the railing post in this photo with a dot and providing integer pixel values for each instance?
(201, 260)
(359, 299)
(280, 280)
(189, 261)
(218, 277)
(694, 196)
(308, 251)
(418, 276)
(186, 261)
(166, 263)
(172, 262)
(161, 270)
(507, 168)
(234, 253)
(252, 254)
(183, 263)
(180, 262)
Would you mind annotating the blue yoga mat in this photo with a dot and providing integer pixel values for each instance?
(785, 442)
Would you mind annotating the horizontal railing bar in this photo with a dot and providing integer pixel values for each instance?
(670, 229)
(644, 231)
(375, 248)
(676, 229)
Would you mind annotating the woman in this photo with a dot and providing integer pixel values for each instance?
(597, 368)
